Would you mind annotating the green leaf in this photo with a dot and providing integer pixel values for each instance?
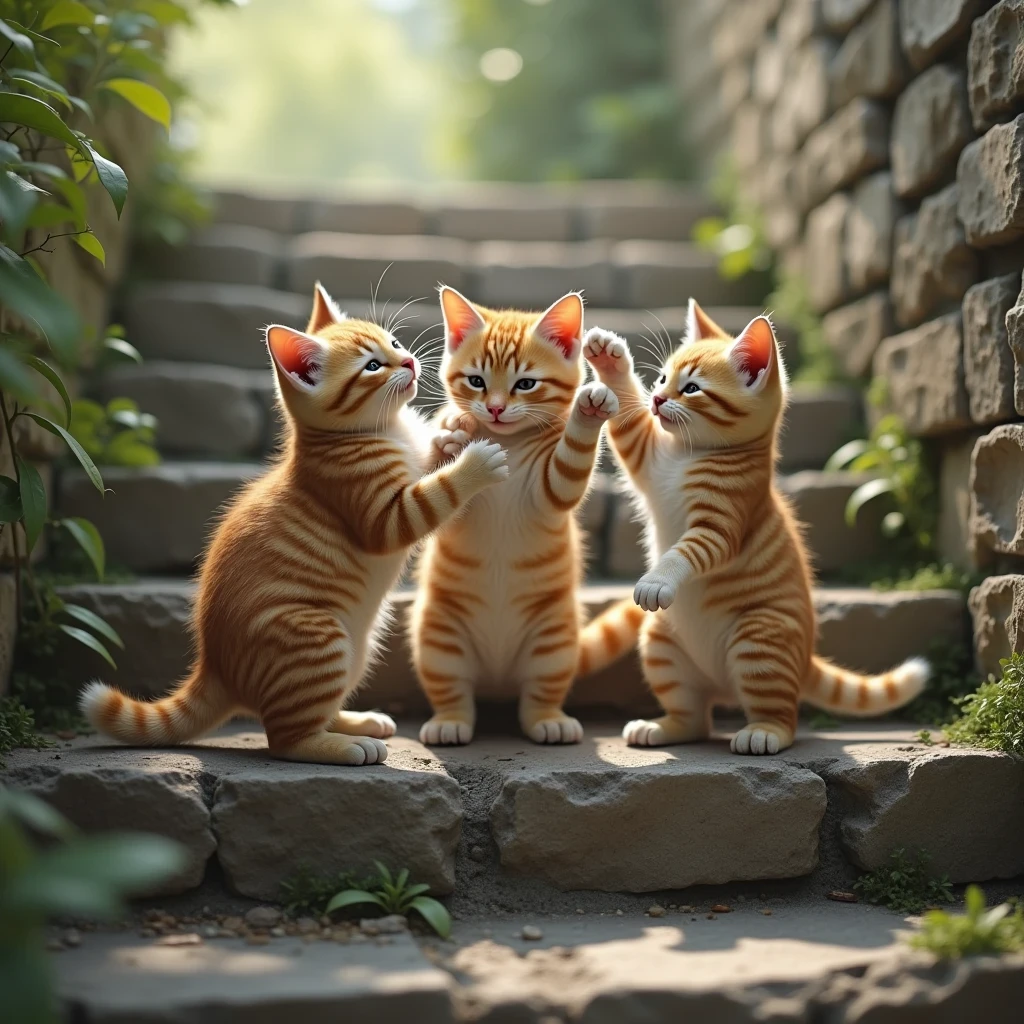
(865, 493)
(434, 913)
(21, 42)
(45, 84)
(165, 12)
(707, 230)
(95, 623)
(112, 178)
(67, 12)
(33, 502)
(129, 862)
(403, 877)
(54, 378)
(35, 813)
(38, 894)
(74, 196)
(383, 871)
(89, 540)
(416, 890)
(353, 897)
(92, 245)
(18, 198)
(25, 292)
(33, 113)
(844, 456)
(122, 348)
(49, 215)
(10, 500)
(9, 152)
(146, 98)
(77, 450)
(89, 641)
(14, 376)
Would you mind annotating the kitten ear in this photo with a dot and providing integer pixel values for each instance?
(461, 317)
(753, 353)
(325, 310)
(298, 357)
(562, 325)
(699, 325)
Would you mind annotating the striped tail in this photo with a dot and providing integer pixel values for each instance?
(849, 693)
(608, 637)
(195, 707)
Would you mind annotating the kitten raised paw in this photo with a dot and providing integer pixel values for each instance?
(597, 401)
(653, 592)
(485, 461)
(607, 353)
(560, 729)
(444, 732)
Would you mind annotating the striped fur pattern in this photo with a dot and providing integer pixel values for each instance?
(729, 614)
(497, 611)
(292, 591)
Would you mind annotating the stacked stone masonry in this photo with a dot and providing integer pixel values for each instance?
(889, 166)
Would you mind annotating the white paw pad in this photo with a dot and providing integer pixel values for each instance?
(556, 730)
(368, 750)
(755, 741)
(597, 400)
(641, 733)
(653, 592)
(441, 733)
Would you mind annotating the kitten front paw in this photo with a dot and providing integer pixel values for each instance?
(445, 732)
(596, 402)
(560, 728)
(446, 444)
(654, 591)
(607, 353)
(454, 421)
(484, 463)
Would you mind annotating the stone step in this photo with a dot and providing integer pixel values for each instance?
(211, 411)
(225, 252)
(860, 628)
(478, 212)
(545, 820)
(157, 519)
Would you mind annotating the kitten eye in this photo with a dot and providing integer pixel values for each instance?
(476, 382)
(691, 389)
(525, 384)
(395, 344)
(372, 365)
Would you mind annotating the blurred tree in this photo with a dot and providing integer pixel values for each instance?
(564, 89)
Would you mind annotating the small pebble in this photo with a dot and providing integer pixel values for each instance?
(685, 909)
(278, 933)
(721, 908)
(655, 911)
(233, 924)
(477, 853)
(580, 910)
(766, 912)
(307, 926)
(618, 913)
(66, 734)
(188, 939)
(72, 937)
(841, 896)
(712, 917)
(263, 917)
(532, 933)
(672, 906)
(257, 940)
(210, 931)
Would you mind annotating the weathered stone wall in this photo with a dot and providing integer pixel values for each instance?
(883, 141)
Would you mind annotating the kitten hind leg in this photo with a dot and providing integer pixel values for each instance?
(445, 669)
(548, 671)
(333, 748)
(679, 686)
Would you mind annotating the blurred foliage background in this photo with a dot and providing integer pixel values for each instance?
(313, 91)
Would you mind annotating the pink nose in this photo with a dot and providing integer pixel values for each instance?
(659, 401)
(495, 410)
(410, 364)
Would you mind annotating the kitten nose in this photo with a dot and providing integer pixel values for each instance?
(659, 401)
(410, 364)
(495, 410)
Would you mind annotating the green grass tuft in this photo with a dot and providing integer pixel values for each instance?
(978, 932)
(18, 727)
(993, 716)
(904, 884)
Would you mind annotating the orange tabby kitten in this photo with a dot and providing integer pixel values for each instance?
(729, 588)
(498, 610)
(291, 591)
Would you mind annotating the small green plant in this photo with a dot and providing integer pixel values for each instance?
(899, 470)
(924, 736)
(117, 434)
(306, 892)
(73, 874)
(736, 238)
(790, 304)
(993, 716)
(904, 884)
(396, 896)
(823, 720)
(978, 932)
(17, 727)
(931, 576)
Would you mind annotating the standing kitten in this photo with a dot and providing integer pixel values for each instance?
(729, 585)
(498, 610)
(292, 587)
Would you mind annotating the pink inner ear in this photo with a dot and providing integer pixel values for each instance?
(294, 353)
(562, 324)
(753, 351)
(460, 317)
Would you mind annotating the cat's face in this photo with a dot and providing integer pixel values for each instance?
(716, 391)
(512, 371)
(341, 374)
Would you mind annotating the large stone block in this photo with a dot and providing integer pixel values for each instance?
(852, 143)
(869, 232)
(652, 274)
(750, 137)
(988, 359)
(931, 124)
(780, 205)
(1015, 337)
(995, 63)
(990, 175)
(259, 210)
(929, 27)
(566, 825)
(854, 332)
(647, 210)
(366, 216)
(272, 817)
(226, 253)
(828, 283)
(953, 532)
(870, 61)
(803, 101)
(841, 15)
(997, 608)
(997, 493)
(924, 372)
(531, 275)
(799, 21)
(933, 266)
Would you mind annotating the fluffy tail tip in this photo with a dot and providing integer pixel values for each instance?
(913, 676)
(91, 701)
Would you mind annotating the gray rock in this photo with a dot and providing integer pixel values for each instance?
(799, 21)
(391, 266)
(210, 323)
(924, 370)
(229, 253)
(933, 266)
(259, 210)
(929, 27)
(997, 608)
(869, 232)
(653, 213)
(100, 792)
(201, 408)
(841, 15)
(953, 532)
(769, 73)
(780, 205)
(931, 124)
(270, 818)
(652, 274)
(159, 517)
(365, 216)
(263, 917)
(531, 275)
(566, 825)
(988, 360)
(1015, 337)
(870, 61)
(995, 63)
(750, 138)
(991, 179)
(509, 215)
(819, 418)
(997, 482)
(852, 143)
(896, 804)
(828, 282)
(854, 332)
(803, 102)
